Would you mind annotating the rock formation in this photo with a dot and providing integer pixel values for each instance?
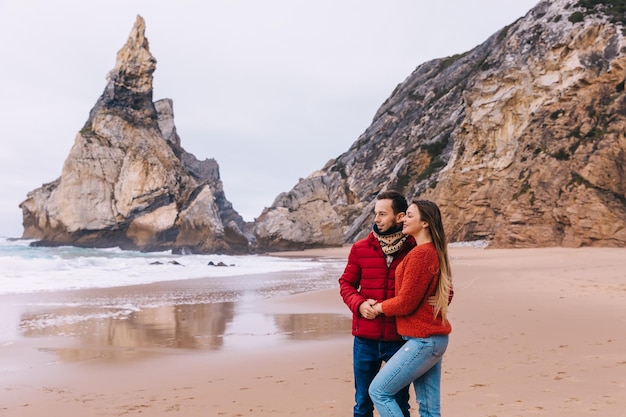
(521, 141)
(128, 182)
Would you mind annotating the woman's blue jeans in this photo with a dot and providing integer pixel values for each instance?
(418, 361)
(368, 356)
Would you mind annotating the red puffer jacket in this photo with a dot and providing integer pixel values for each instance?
(367, 276)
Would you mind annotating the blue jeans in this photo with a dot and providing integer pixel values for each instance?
(367, 357)
(418, 361)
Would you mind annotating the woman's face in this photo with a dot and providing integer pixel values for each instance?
(412, 224)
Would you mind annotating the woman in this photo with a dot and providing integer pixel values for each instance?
(424, 272)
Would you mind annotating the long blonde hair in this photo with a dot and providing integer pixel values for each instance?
(429, 212)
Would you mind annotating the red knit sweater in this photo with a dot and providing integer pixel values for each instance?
(416, 280)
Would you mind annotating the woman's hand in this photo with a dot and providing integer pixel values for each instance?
(376, 306)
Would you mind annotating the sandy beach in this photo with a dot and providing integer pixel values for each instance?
(536, 332)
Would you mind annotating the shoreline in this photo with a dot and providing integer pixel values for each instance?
(535, 332)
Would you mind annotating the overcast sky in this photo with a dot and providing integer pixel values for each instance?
(272, 89)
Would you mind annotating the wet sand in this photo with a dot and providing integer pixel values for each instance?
(535, 332)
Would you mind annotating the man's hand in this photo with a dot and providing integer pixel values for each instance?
(367, 311)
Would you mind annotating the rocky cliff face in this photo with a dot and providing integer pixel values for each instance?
(521, 141)
(128, 182)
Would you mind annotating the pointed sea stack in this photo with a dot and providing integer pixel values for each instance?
(127, 182)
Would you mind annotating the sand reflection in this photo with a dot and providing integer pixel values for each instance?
(82, 333)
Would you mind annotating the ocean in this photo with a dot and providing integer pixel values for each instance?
(98, 298)
(27, 269)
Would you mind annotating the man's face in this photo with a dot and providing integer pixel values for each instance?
(385, 219)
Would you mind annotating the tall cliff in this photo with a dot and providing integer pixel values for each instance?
(128, 182)
(521, 141)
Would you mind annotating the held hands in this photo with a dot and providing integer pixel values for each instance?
(378, 308)
(367, 309)
(370, 309)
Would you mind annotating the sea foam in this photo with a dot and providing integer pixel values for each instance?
(25, 269)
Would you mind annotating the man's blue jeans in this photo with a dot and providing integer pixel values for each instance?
(418, 361)
(367, 357)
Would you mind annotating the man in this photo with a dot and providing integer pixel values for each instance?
(370, 274)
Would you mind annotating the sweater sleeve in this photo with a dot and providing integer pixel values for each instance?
(420, 267)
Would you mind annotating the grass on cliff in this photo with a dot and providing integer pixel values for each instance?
(614, 9)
